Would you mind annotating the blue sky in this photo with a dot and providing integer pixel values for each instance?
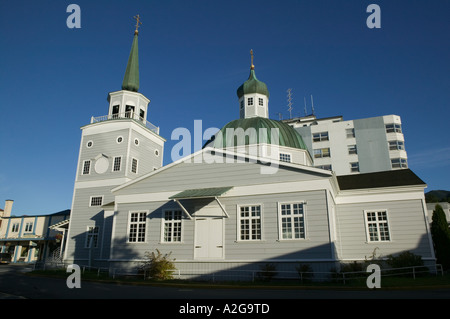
(193, 56)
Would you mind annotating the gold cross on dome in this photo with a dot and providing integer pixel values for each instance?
(138, 22)
(251, 53)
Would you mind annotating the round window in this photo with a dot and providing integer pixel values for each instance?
(89, 144)
(136, 141)
(119, 139)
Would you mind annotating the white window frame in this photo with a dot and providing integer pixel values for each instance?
(250, 218)
(396, 145)
(92, 232)
(260, 101)
(172, 223)
(393, 128)
(249, 101)
(15, 227)
(377, 222)
(95, 196)
(402, 163)
(280, 221)
(138, 230)
(320, 137)
(88, 169)
(354, 167)
(352, 149)
(114, 164)
(28, 227)
(350, 132)
(285, 157)
(319, 152)
(137, 163)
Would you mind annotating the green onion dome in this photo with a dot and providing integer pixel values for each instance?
(258, 130)
(252, 85)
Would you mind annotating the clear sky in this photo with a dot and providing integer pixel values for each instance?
(193, 56)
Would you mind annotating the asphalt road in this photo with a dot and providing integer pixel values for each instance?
(15, 284)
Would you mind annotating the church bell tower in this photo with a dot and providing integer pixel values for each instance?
(115, 148)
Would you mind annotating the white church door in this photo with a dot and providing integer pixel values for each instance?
(208, 238)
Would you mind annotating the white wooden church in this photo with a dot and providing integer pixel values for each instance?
(243, 201)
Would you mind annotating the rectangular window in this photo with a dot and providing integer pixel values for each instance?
(137, 224)
(319, 137)
(354, 167)
(86, 167)
(322, 152)
(96, 201)
(250, 222)
(116, 164)
(327, 167)
(352, 149)
(92, 237)
(396, 145)
(134, 165)
(29, 227)
(292, 221)
(15, 227)
(172, 226)
(399, 163)
(285, 157)
(261, 102)
(242, 104)
(250, 101)
(393, 128)
(350, 132)
(377, 226)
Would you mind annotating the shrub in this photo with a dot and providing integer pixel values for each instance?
(404, 259)
(305, 272)
(268, 271)
(158, 266)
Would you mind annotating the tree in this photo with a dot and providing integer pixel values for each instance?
(158, 266)
(441, 237)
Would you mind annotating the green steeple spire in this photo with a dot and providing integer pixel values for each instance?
(131, 77)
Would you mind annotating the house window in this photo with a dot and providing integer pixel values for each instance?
(285, 157)
(322, 152)
(134, 165)
(393, 128)
(115, 112)
(116, 165)
(29, 227)
(377, 226)
(261, 102)
(327, 167)
(136, 230)
(250, 222)
(142, 115)
(92, 237)
(250, 101)
(319, 137)
(352, 149)
(350, 132)
(354, 167)
(396, 145)
(15, 227)
(96, 200)
(399, 163)
(86, 167)
(172, 226)
(242, 104)
(292, 221)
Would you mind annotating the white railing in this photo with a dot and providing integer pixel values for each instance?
(127, 115)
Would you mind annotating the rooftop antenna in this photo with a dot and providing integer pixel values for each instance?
(289, 102)
(312, 105)
(306, 114)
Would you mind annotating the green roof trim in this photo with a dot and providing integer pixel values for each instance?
(256, 130)
(201, 193)
(252, 85)
(131, 77)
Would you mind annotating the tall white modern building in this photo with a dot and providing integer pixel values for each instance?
(356, 146)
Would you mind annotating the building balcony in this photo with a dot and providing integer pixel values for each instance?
(127, 116)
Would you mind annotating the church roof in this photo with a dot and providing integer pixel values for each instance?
(131, 77)
(401, 177)
(256, 130)
(252, 85)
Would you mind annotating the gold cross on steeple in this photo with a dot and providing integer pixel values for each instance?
(138, 22)
(251, 53)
